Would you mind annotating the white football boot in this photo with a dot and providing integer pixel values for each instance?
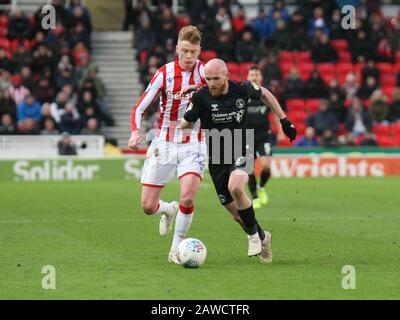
(266, 252)
(255, 245)
(167, 218)
(173, 255)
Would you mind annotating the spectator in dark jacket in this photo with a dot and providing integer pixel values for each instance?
(323, 50)
(361, 48)
(7, 125)
(18, 27)
(365, 91)
(272, 72)
(323, 119)
(5, 62)
(370, 71)
(7, 104)
(78, 34)
(282, 35)
(315, 87)
(293, 86)
(225, 47)
(358, 120)
(246, 48)
(70, 120)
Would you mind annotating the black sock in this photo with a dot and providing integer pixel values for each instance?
(265, 175)
(249, 220)
(253, 186)
(261, 232)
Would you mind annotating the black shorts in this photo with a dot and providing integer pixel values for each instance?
(220, 175)
(262, 145)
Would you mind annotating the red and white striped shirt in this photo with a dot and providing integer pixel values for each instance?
(169, 81)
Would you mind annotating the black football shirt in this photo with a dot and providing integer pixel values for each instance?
(227, 115)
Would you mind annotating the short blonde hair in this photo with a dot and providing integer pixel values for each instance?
(191, 34)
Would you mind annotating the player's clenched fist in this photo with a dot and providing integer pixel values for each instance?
(134, 140)
(289, 129)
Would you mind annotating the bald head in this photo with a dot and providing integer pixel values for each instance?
(217, 76)
(216, 65)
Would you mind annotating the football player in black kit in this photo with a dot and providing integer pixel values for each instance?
(258, 120)
(221, 107)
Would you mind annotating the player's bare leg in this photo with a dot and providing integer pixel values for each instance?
(190, 183)
(152, 204)
(237, 182)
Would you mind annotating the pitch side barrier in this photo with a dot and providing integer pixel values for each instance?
(286, 163)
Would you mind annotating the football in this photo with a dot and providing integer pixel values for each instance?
(192, 253)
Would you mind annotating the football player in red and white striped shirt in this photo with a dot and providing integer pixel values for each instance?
(171, 151)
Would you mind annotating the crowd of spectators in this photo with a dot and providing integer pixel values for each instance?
(339, 86)
(48, 84)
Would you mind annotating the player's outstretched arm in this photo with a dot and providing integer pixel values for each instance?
(146, 99)
(288, 128)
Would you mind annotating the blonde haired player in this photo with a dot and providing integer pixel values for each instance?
(171, 151)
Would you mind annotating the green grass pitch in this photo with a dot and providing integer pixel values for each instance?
(104, 247)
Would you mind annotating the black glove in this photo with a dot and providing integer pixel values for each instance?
(289, 129)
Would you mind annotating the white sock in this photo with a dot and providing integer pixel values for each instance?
(182, 226)
(163, 207)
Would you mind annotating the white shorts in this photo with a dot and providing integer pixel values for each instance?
(165, 159)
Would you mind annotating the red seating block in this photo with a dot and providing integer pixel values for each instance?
(208, 55)
(312, 105)
(340, 44)
(381, 129)
(384, 68)
(244, 68)
(233, 67)
(388, 80)
(385, 141)
(305, 70)
(286, 56)
(295, 105)
(344, 56)
(303, 57)
(344, 68)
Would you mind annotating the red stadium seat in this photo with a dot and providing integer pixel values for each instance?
(208, 55)
(244, 68)
(385, 141)
(295, 105)
(303, 57)
(340, 45)
(366, 103)
(298, 116)
(327, 71)
(358, 67)
(394, 129)
(326, 67)
(387, 91)
(388, 80)
(182, 21)
(381, 129)
(286, 56)
(5, 44)
(398, 56)
(344, 56)
(285, 68)
(344, 68)
(384, 68)
(305, 70)
(347, 103)
(312, 105)
(233, 67)
(3, 22)
(301, 128)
